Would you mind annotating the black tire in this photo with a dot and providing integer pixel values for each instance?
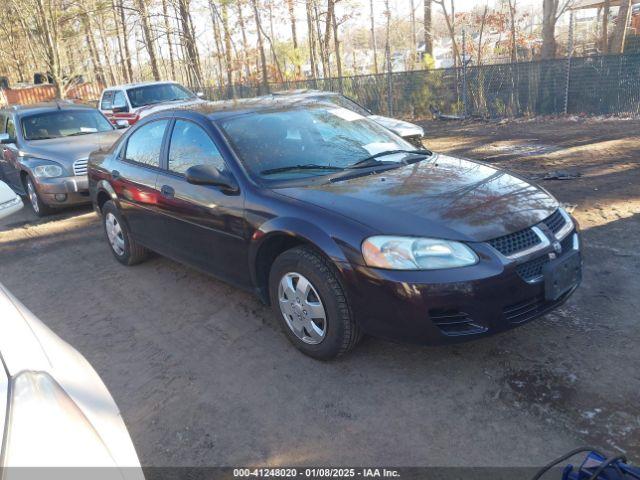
(342, 331)
(34, 199)
(132, 252)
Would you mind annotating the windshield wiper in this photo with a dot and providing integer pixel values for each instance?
(373, 161)
(299, 167)
(79, 133)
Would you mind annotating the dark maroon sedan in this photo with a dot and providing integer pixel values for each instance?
(342, 226)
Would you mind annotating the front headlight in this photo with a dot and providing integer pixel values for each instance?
(48, 170)
(412, 253)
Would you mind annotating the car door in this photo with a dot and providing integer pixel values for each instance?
(204, 224)
(133, 177)
(9, 164)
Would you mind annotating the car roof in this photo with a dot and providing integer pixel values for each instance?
(125, 86)
(21, 110)
(271, 102)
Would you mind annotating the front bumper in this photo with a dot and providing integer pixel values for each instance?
(64, 191)
(444, 306)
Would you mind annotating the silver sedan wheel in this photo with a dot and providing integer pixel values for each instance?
(33, 195)
(302, 308)
(114, 233)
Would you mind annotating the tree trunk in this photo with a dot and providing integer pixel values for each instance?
(428, 33)
(227, 46)
(311, 40)
(116, 23)
(125, 42)
(549, 18)
(245, 44)
(167, 31)
(148, 38)
(217, 40)
(188, 35)
(449, 19)
(620, 32)
(373, 38)
(512, 16)
(336, 44)
(294, 35)
(263, 60)
(412, 19)
(605, 27)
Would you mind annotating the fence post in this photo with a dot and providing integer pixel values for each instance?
(569, 55)
(464, 73)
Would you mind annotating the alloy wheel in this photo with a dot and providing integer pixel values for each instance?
(114, 233)
(33, 195)
(302, 308)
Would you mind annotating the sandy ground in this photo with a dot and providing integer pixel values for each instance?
(203, 376)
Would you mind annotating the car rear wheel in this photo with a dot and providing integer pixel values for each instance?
(40, 208)
(309, 301)
(126, 250)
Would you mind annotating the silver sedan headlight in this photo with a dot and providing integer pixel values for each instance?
(414, 253)
(48, 170)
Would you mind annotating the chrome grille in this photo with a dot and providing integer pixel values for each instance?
(532, 270)
(515, 242)
(555, 222)
(80, 166)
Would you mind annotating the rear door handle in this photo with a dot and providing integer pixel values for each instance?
(115, 174)
(167, 191)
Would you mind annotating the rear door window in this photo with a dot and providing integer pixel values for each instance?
(119, 101)
(107, 100)
(145, 144)
(11, 128)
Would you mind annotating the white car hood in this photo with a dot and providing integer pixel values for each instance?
(148, 110)
(28, 346)
(400, 127)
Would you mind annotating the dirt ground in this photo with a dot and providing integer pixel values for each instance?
(203, 376)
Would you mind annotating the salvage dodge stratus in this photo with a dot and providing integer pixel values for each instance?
(342, 226)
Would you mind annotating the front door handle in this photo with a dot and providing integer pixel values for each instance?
(167, 191)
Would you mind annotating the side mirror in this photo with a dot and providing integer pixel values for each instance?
(122, 109)
(5, 139)
(208, 175)
(122, 124)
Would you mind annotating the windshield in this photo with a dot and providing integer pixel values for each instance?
(346, 102)
(164, 92)
(309, 141)
(64, 123)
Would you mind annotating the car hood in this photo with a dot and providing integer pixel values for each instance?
(400, 127)
(33, 355)
(67, 150)
(157, 107)
(443, 196)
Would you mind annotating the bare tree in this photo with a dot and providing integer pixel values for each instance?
(552, 10)
(147, 36)
(605, 27)
(373, 37)
(512, 25)
(428, 33)
(263, 60)
(449, 19)
(620, 32)
(311, 39)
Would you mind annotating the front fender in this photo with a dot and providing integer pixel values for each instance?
(299, 229)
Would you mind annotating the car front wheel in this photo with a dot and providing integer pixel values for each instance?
(40, 208)
(126, 250)
(311, 304)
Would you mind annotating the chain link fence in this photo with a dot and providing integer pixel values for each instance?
(595, 85)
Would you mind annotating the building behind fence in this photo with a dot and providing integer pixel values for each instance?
(594, 85)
